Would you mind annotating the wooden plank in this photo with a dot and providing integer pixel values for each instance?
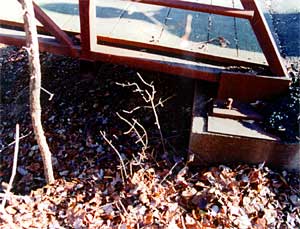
(210, 149)
(174, 51)
(135, 59)
(249, 88)
(174, 36)
(108, 14)
(155, 62)
(104, 25)
(9, 7)
(13, 6)
(232, 30)
(143, 23)
(46, 43)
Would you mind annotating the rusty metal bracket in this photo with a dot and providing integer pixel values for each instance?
(239, 111)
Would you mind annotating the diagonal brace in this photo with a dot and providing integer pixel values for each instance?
(265, 38)
(53, 28)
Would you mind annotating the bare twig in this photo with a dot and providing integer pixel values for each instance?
(136, 90)
(49, 93)
(131, 111)
(148, 97)
(153, 105)
(160, 103)
(141, 138)
(182, 222)
(116, 151)
(124, 209)
(14, 168)
(170, 172)
(12, 143)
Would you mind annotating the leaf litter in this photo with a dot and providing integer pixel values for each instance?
(89, 191)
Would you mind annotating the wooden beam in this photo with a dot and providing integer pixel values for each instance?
(52, 28)
(192, 55)
(45, 45)
(85, 26)
(249, 87)
(19, 26)
(201, 73)
(205, 8)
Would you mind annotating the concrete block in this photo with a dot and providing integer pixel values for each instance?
(235, 144)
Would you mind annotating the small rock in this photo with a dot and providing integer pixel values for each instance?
(22, 171)
(99, 149)
(214, 210)
(295, 200)
(64, 173)
(35, 147)
(10, 210)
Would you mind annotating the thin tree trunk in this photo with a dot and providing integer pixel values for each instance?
(35, 86)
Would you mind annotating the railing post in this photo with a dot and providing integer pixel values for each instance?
(84, 14)
(265, 38)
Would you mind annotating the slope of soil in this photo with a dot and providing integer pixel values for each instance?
(91, 190)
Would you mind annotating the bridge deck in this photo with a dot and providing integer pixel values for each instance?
(156, 25)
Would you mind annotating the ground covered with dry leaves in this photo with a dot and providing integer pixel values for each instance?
(92, 190)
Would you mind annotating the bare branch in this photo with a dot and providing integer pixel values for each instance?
(170, 172)
(131, 111)
(137, 89)
(35, 86)
(144, 82)
(12, 143)
(145, 133)
(49, 93)
(116, 151)
(149, 97)
(161, 102)
(14, 168)
(132, 128)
